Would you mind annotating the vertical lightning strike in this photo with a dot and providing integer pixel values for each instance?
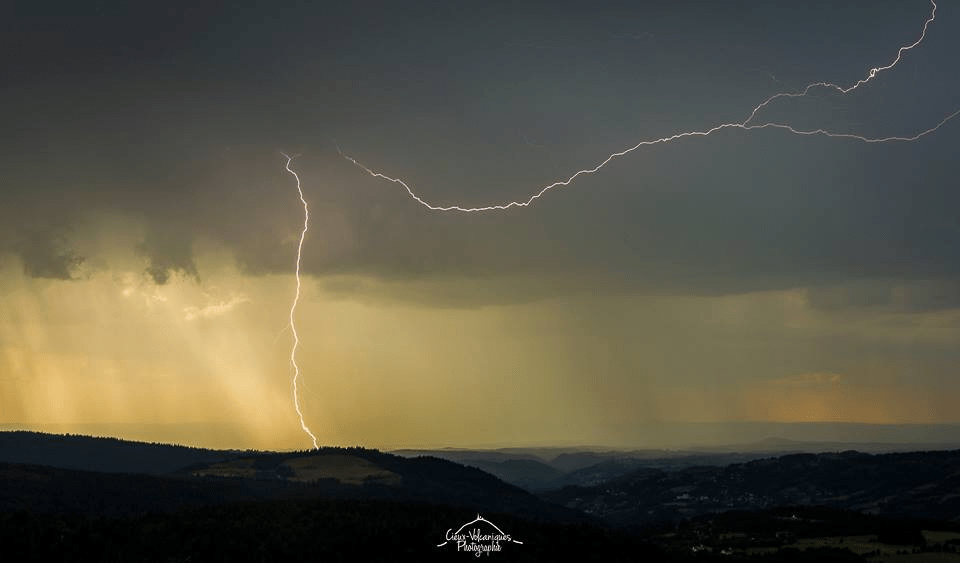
(744, 125)
(293, 307)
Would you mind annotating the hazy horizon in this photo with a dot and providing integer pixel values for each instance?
(673, 436)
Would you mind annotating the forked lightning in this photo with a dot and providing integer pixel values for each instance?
(747, 124)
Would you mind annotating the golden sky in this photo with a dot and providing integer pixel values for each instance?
(207, 362)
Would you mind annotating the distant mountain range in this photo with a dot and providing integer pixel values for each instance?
(544, 469)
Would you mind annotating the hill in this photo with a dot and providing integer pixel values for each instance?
(169, 503)
(101, 454)
(152, 477)
(917, 485)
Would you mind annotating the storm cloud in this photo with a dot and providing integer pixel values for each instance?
(177, 118)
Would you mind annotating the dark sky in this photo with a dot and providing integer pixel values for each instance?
(154, 131)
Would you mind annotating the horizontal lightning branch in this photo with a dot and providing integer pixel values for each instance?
(745, 125)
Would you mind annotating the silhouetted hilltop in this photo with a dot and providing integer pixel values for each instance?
(198, 477)
(69, 451)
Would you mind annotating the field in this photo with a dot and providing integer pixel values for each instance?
(350, 470)
(868, 547)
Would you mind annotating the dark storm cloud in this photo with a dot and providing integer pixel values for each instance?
(168, 248)
(176, 116)
(888, 296)
(44, 254)
(734, 220)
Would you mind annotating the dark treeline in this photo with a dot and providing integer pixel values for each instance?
(89, 453)
(320, 529)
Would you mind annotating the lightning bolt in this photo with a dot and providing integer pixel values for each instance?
(293, 307)
(744, 125)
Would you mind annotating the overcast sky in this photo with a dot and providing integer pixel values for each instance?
(148, 228)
